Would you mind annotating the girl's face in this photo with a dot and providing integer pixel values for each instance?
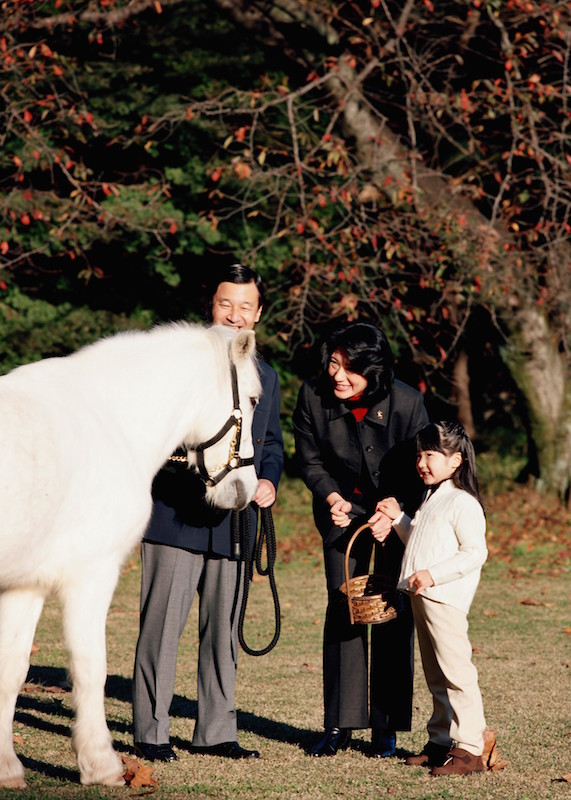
(435, 467)
(346, 384)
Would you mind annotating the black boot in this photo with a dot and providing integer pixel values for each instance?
(335, 739)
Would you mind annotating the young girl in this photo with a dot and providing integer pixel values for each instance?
(445, 550)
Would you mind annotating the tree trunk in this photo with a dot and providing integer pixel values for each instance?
(532, 352)
(541, 373)
(462, 399)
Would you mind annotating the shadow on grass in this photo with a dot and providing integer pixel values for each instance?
(50, 770)
(118, 688)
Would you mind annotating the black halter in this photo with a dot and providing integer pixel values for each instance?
(234, 460)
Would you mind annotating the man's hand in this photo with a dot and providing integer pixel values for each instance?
(265, 493)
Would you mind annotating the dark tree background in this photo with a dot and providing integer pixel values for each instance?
(406, 163)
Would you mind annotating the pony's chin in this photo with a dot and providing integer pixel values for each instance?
(235, 492)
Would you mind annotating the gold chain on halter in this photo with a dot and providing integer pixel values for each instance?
(231, 449)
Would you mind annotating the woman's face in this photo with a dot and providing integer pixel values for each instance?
(346, 384)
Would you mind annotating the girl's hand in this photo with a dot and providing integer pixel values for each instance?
(420, 580)
(380, 525)
(340, 512)
(389, 506)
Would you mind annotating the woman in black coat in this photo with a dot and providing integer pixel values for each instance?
(354, 431)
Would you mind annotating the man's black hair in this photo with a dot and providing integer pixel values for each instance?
(235, 273)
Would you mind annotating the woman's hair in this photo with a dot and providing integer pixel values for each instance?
(368, 353)
(450, 438)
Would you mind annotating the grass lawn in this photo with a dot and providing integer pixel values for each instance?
(520, 627)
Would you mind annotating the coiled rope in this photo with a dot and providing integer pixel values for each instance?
(267, 536)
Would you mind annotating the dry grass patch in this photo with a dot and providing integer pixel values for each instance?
(520, 631)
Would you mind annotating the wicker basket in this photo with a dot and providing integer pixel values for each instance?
(371, 598)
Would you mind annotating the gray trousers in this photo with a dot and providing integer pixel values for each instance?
(171, 578)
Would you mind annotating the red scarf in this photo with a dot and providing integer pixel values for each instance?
(359, 411)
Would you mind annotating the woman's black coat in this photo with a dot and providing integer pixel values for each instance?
(332, 448)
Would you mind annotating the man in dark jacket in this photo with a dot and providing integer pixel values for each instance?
(188, 547)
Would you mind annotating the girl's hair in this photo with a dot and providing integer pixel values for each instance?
(368, 353)
(449, 438)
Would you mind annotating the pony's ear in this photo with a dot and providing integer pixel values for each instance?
(243, 345)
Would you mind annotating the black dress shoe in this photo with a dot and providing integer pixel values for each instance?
(335, 739)
(225, 750)
(155, 752)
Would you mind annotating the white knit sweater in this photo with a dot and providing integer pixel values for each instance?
(447, 536)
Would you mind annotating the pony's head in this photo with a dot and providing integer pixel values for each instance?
(226, 459)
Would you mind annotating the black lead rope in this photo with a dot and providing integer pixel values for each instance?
(267, 535)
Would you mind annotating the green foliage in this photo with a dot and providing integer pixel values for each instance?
(34, 329)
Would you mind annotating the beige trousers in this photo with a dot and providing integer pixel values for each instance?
(452, 678)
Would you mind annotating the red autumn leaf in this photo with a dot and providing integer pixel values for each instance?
(216, 174)
(242, 170)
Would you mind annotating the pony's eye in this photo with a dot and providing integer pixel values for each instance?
(254, 401)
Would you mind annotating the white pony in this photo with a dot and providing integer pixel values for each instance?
(81, 438)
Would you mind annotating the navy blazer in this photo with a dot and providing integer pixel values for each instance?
(182, 518)
(335, 452)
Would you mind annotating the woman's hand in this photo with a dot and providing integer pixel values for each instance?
(381, 525)
(339, 508)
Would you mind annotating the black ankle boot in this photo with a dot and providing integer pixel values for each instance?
(334, 739)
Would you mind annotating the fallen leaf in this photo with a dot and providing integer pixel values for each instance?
(137, 774)
(490, 613)
(32, 688)
(18, 739)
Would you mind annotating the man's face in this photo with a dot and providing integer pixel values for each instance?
(236, 305)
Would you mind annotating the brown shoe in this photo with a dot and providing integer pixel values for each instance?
(433, 755)
(459, 762)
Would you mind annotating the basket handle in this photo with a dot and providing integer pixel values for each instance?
(347, 554)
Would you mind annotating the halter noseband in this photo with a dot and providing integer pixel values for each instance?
(234, 461)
